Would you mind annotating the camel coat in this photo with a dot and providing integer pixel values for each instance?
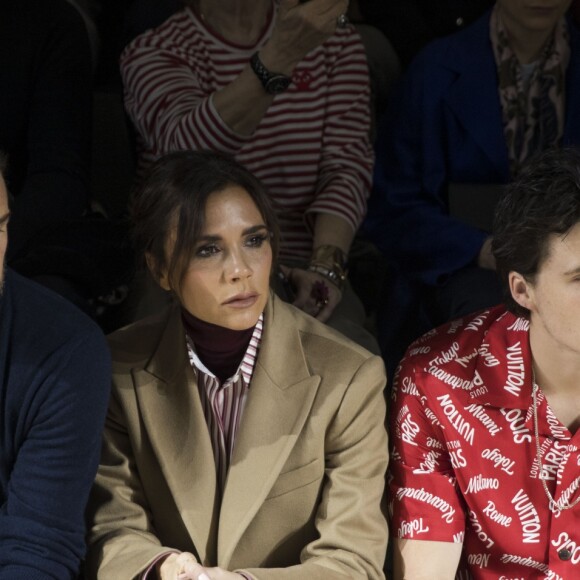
(304, 487)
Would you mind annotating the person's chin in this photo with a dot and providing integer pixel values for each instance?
(244, 321)
(244, 318)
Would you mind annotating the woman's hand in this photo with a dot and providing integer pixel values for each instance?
(219, 574)
(300, 27)
(178, 566)
(184, 566)
(315, 294)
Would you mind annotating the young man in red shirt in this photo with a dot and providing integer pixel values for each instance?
(485, 469)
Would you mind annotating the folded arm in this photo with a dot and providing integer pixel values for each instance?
(172, 109)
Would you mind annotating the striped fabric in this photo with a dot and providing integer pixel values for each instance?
(311, 149)
(223, 405)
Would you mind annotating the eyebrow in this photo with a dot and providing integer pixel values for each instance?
(4, 218)
(247, 231)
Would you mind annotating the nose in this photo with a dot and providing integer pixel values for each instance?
(236, 266)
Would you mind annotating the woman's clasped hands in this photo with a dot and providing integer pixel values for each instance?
(184, 566)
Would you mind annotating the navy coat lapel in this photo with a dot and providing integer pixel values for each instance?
(473, 99)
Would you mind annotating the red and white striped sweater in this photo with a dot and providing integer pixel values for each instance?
(311, 149)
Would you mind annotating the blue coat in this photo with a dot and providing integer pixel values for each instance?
(445, 126)
(55, 374)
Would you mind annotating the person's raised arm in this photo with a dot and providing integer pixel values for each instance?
(299, 29)
(345, 169)
(172, 108)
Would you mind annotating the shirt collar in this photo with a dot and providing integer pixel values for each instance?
(494, 355)
(246, 367)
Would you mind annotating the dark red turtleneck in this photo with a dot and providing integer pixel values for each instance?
(220, 349)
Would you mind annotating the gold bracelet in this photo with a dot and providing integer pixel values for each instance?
(329, 261)
(337, 278)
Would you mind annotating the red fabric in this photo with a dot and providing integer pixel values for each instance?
(463, 464)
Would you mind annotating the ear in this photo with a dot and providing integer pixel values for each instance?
(162, 279)
(521, 290)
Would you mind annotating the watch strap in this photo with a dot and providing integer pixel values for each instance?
(273, 82)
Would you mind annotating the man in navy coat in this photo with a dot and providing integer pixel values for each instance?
(446, 127)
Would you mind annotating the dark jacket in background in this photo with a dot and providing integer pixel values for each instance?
(45, 114)
(411, 24)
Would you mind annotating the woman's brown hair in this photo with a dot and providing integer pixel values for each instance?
(172, 198)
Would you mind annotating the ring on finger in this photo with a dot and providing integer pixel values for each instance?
(320, 293)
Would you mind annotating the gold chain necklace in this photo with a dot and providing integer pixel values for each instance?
(554, 505)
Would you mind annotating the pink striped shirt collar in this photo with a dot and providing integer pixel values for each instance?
(246, 367)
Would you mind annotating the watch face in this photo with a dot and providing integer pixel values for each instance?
(277, 84)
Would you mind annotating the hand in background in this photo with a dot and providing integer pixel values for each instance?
(300, 27)
(315, 294)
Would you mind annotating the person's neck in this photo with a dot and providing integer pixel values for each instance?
(528, 45)
(239, 21)
(220, 349)
(556, 369)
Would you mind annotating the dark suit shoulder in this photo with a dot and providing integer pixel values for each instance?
(34, 308)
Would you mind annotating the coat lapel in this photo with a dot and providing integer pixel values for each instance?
(476, 84)
(173, 417)
(279, 401)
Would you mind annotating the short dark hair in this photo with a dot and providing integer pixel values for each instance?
(174, 193)
(544, 200)
(3, 163)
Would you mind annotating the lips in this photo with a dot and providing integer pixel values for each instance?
(243, 300)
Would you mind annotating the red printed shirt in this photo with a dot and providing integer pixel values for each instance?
(464, 465)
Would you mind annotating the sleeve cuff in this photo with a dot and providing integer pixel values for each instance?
(146, 575)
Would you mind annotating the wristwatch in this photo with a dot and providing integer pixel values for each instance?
(273, 82)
